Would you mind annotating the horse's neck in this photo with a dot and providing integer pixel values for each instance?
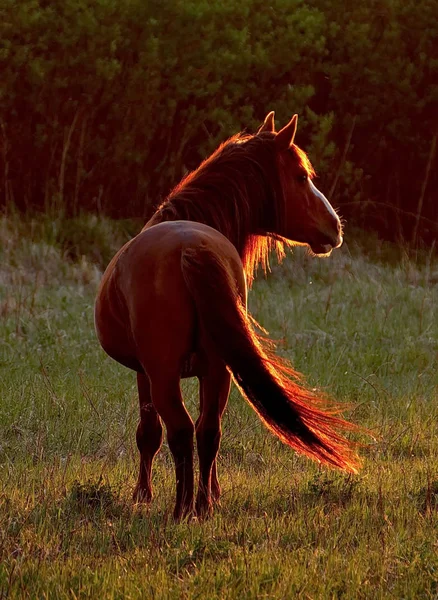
(231, 199)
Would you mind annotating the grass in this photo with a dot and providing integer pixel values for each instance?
(362, 325)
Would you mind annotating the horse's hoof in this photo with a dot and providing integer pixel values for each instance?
(204, 510)
(184, 515)
(141, 496)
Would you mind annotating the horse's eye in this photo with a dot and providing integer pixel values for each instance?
(302, 178)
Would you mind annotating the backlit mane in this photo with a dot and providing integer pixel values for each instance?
(235, 190)
(304, 161)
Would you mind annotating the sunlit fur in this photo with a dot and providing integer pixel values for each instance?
(303, 161)
(233, 191)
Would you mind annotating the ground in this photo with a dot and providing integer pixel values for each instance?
(362, 325)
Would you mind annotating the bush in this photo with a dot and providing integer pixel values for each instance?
(104, 105)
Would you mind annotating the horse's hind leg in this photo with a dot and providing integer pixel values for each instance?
(215, 387)
(167, 399)
(215, 487)
(149, 438)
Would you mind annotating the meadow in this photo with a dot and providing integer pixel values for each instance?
(362, 325)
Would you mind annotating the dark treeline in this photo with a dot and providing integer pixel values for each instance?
(104, 104)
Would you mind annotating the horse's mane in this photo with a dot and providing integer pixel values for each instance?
(237, 191)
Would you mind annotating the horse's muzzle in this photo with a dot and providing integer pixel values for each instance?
(324, 246)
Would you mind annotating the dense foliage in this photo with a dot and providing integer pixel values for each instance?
(104, 104)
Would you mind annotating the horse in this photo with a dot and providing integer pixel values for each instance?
(172, 303)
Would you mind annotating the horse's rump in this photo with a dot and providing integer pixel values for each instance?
(144, 304)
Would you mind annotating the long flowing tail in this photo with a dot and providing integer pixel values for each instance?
(304, 421)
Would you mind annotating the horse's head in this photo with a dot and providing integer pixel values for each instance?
(307, 216)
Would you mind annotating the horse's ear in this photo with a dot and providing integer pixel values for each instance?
(285, 137)
(268, 123)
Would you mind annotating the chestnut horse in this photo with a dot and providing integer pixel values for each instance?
(172, 304)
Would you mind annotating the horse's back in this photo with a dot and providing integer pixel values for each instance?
(144, 311)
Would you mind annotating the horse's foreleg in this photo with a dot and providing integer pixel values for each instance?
(149, 438)
(167, 399)
(215, 387)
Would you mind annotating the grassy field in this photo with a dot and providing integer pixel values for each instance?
(363, 325)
